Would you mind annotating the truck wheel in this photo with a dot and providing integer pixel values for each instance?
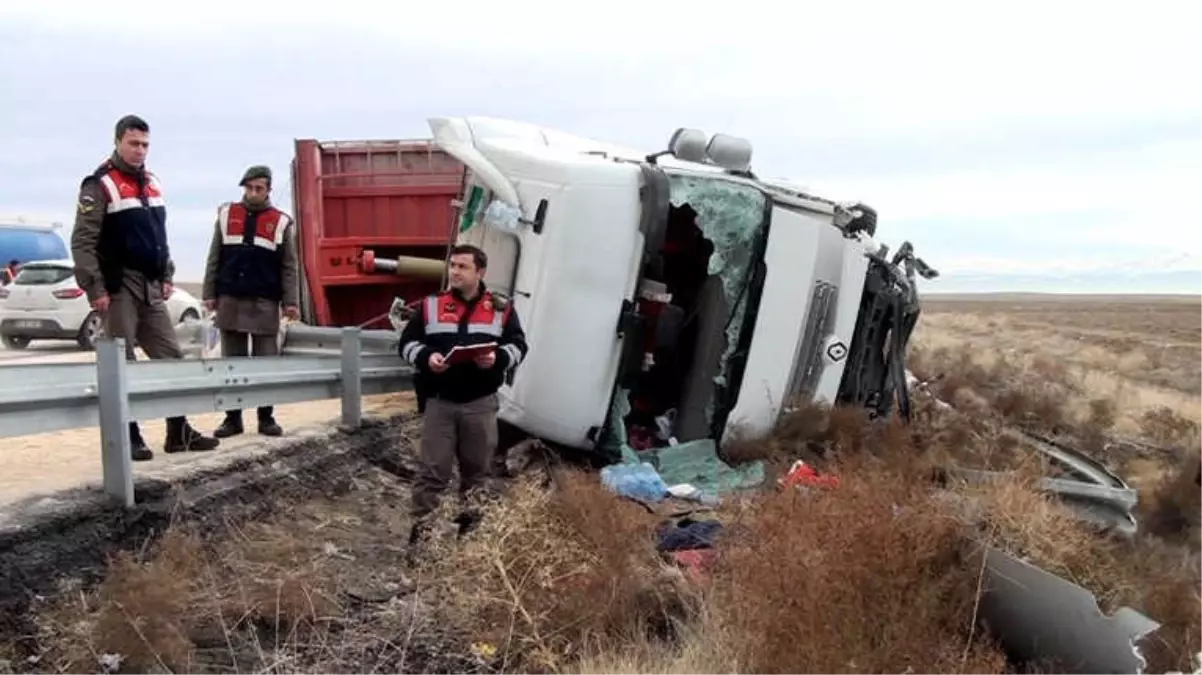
(90, 332)
(16, 341)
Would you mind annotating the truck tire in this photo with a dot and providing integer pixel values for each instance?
(16, 341)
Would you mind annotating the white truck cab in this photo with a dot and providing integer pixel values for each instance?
(674, 288)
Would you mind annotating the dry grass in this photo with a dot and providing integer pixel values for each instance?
(881, 573)
(1141, 356)
(875, 576)
(550, 574)
(318, 590)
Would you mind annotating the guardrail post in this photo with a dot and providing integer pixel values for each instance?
(113, 394)
(352, 385)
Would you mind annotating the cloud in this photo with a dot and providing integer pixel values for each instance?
(1020, 134)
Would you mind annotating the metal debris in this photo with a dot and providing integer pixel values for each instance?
(1040, 617)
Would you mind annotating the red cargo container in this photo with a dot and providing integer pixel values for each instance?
(393, 197)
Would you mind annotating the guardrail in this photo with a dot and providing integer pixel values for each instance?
(316, 363)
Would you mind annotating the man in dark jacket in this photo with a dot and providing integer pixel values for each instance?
(464, 342)
(251, 271)
(123, 264)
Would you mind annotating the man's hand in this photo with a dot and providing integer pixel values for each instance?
(486, 360)
(211, 305)
(102, 303)
(437, 363)
(168, 289)
(292, 312)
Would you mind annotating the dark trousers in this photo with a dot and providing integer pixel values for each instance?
(237, 343)
(455, 432)
(145, 321)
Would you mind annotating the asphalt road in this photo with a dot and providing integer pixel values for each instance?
(38, 351)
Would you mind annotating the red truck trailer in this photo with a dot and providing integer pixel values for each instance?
(393, 197)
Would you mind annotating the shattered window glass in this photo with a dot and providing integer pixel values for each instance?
(731, 216)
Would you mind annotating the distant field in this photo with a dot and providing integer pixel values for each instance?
(1064, 298)
(1124, 365)
(1146, 340)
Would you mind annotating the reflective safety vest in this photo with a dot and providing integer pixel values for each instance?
(444, 313)
(133, 233)
(252, 256)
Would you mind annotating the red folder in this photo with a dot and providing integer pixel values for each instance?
(465, 353)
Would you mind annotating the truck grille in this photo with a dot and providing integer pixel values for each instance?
(807, 367)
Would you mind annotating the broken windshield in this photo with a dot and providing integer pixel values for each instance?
(731, 215)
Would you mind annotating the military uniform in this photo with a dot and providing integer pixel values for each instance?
(459, 404)
(251, 271)
(119, 245)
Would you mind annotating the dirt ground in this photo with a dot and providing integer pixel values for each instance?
(46, 463)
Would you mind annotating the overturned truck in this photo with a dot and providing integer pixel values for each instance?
(676, 298)
(673, 297)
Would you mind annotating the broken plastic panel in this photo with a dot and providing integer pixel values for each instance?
(1038, 616)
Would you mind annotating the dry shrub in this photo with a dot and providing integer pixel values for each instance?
(265, 599)
(1025, 522)
(1166, 580)
(1033, 396)
(819, 434)
(700, 647)
(1164, 426)
(140, 612)
(143, 607)
(803, 432)
(1097, 426)
(547, 574)
(1174, 508)
(950, 438)
(874, 576)
(280, 579)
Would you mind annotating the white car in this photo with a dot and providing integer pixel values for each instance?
(45, 303)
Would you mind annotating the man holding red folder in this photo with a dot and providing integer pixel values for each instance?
(464, 342)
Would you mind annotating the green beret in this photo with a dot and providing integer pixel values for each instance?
(257, 171)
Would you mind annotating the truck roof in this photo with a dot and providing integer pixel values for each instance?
(483, 133)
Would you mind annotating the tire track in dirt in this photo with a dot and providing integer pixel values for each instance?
(75, 537)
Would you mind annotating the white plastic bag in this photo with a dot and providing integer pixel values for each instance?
(502, 216)
(395, 314)
(210, 338)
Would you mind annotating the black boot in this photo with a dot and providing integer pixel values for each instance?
(181, 437)
(418, 536)
(467, 520)
(137, 447)
(231, 425)
(267, 423)
(417, 532)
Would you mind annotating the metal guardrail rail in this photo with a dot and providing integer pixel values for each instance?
(316, 363)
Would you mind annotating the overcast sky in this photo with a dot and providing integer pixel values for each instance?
(1019, 145)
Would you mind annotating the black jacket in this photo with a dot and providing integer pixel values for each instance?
(446, 320)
